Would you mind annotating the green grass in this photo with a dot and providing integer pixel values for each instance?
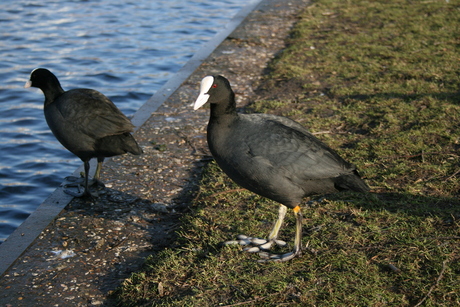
(379, 81)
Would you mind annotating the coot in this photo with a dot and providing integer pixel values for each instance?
(274, 157)
(85, 122)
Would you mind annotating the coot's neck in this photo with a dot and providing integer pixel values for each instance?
(52, 90)
(224, 106)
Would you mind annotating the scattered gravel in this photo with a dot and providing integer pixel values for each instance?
(92, 246)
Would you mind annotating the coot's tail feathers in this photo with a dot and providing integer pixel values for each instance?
(132, 146)
(119, 144)
(351, 182)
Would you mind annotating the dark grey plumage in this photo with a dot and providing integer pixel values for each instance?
(85, 122)
(272, 156)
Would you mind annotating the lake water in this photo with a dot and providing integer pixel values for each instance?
(124, 49)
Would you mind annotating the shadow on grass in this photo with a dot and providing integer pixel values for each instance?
(453, 97)
(407, 203)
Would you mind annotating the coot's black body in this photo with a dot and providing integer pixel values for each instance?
(85, 122)
(272, 156)
(278, 159)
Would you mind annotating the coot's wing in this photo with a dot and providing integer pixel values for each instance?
(92, 113)
(286, 145)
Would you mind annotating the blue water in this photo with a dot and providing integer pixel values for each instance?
(125, 49)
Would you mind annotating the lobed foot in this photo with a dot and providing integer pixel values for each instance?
(81, 181)
(74, 179)
(77, 190)
(76, 187)
(257, 244)
(262, 246)
(277, 257)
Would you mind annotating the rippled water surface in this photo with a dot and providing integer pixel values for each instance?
(125, 49)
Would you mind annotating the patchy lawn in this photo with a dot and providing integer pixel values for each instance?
(379, 82)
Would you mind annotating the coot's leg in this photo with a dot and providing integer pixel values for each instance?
(276, 228)
(97, 174)
(297, 242)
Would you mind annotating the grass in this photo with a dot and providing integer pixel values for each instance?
(379, 82)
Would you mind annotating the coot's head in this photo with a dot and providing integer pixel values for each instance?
(41, 78)
(214, 89)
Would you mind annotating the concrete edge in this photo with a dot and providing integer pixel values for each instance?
(144, 112)
(17, 243)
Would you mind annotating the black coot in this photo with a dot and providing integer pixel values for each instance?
(274, 157)
(86, 122)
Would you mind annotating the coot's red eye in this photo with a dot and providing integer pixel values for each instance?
(214, 85)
